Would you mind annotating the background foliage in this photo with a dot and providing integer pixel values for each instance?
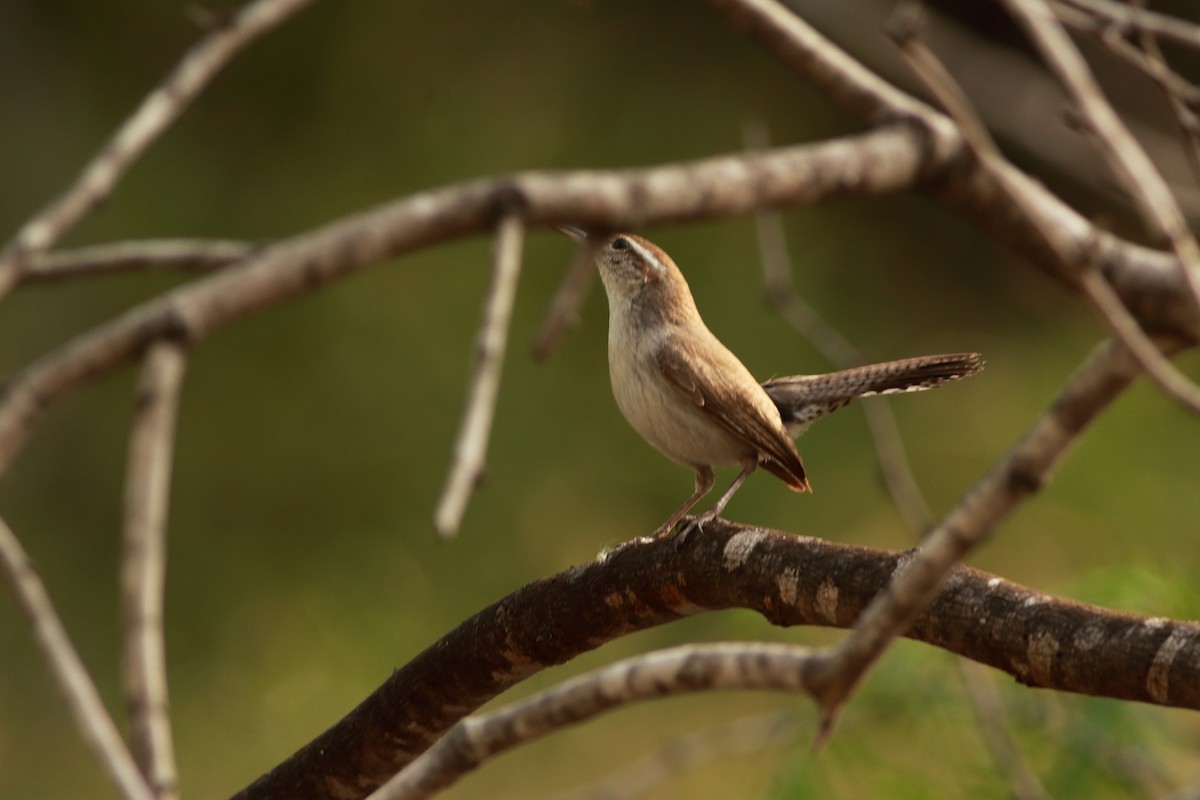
(313, 439)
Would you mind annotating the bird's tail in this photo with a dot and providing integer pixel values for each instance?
(803, 399)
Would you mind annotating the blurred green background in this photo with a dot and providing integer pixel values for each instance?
(314, 438)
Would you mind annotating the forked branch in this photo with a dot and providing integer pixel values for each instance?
(157, 111)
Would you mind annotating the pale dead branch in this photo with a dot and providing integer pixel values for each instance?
(68, 671)
(182, 255)
(470, 450)
(144, 566)
(563, 313)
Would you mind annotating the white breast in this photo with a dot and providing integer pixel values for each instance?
(658, 411)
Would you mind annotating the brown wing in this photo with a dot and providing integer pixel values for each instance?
(730, 406)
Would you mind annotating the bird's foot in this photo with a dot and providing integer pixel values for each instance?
(696, 524)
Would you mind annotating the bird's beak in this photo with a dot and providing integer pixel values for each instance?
(570, 231)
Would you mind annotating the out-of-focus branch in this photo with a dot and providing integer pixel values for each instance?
(1024, 111)
(563, 313)
(1011, 480)
(1182, 95)
(470, 451)
(1158, 368)
(1004, 211)
(990, 717)
(789, 579)
(1153, 65)
(679, 670)
(1134, 17)
(157, 111)
(1124, 155)
(67, 668)
(144, 567)
(185, 255)
(741, 736)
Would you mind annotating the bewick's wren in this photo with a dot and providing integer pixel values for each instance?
(691, 398)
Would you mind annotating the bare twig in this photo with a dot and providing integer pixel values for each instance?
(71, 675)
(563, 313)
(1021, 472)
(1113, 38)
(470, 451)
(1158, 367)
(1125, 156)
(190, 255)
(1040, 640)
(143, 569)
(1132, 17)
(679, 670)
(844, 79)
(745, 735)
(1182, 95)
(1059, 242)
(155, 114)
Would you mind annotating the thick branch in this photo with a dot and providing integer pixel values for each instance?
(791, 580)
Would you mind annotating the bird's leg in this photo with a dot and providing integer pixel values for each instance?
(708, 516)
(704, 484)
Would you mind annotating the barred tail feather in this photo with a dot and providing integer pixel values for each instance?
(803, 399)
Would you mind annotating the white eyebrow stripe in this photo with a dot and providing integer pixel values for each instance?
(647, 255)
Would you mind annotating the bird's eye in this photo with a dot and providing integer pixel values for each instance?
(620, 244)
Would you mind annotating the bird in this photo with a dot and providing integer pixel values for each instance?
(691, 398)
